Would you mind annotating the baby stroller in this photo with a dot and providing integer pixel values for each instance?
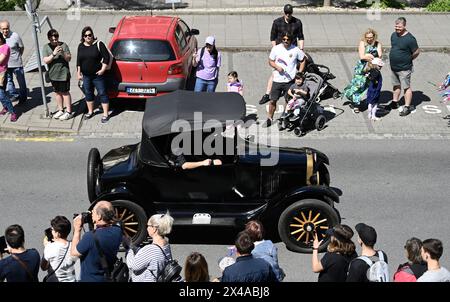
(327, 90)
(310, 116)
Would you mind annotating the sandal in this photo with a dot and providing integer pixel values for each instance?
(88, 115)
(356, 110)
(105, 119)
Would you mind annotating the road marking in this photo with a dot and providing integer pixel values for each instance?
(38, 139)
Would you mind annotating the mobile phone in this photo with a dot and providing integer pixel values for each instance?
(3, 245)
(48, 234)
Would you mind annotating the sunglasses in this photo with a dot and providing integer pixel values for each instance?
(286, 40)
(88, 35)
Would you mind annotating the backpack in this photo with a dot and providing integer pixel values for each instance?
(378, 271)
(111, 57)
(171, 270)
(404, 274)
(120, 272)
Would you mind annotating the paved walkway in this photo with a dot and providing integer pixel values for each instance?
(238, 34)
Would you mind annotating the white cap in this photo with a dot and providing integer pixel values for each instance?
(210, 40)
(377, 61)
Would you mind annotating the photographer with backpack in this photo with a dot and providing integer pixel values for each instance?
(372, 265)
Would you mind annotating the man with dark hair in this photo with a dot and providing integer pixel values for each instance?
(431, 252)
(108, 236)
(367, 237)
(404, 50)
(23, 264)
(283, 58)
(286, 23)
(247, 268)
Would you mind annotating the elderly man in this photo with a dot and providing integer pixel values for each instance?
(15, 63)
(107, 236)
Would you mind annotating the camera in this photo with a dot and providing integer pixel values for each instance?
(3, 245)
(86, 217)
(48, 234)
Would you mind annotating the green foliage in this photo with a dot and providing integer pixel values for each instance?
(6, 5)
(439, 6)
(21, 3)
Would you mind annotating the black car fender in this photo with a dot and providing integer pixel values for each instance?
(323, 193)
(119, 193)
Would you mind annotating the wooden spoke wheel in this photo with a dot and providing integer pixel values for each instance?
(301, 220)
(132, 218)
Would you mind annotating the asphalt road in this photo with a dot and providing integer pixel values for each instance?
(398, 186)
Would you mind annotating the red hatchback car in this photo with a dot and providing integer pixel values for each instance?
(153, 55)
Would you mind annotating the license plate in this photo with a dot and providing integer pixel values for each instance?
(133, 90)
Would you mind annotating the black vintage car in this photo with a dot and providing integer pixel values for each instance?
(292, 198)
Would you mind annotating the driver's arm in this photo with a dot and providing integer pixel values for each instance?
(192, 165)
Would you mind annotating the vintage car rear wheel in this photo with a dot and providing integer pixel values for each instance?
(133, 219)
(298, 222)
(94, 170)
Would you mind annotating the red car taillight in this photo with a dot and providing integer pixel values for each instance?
(175, 69)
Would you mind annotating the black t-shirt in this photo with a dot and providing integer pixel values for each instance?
(357, 271)
(294, 27)
(90, 59)
(12, 271)
(335, 267)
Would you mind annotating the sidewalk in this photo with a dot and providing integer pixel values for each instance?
(238, 36)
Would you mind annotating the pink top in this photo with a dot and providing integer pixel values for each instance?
(235, 87)
(4, 50)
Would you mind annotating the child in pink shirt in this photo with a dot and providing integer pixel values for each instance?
(4, 58)
(234, 85)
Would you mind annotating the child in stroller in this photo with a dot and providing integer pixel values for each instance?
(296, 96)
(306, 113)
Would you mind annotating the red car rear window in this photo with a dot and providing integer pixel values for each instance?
(143, 50)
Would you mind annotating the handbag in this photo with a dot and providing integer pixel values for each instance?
(45, 279)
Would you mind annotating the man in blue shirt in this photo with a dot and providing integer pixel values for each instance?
(109, 237)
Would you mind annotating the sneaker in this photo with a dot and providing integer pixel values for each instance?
(267, 123)
(14, 117)
(105, 119)
(58, 114)
(4, 111)
(265, 98)
(394, 105)
(66, 116)
(406, 110)
(88, 115)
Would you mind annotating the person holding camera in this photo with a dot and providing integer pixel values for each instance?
(23, 264)
(105, 240)
(57, 259)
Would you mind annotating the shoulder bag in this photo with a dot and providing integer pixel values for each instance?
(59, 265)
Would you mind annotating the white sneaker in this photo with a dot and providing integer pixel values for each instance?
(58, 114)
(66, 116)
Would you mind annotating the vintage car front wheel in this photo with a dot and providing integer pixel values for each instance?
(132, 218)
(300, 220)
(94, 170)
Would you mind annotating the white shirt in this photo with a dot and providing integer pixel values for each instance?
(54, 253)
(287, 59)
(440, 275)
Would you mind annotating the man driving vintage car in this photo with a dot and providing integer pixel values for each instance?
(179, 161)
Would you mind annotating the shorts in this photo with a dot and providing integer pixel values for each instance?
(61, 86)
(279, 90)
(401, 78)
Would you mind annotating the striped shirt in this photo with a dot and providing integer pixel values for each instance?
(148, 262)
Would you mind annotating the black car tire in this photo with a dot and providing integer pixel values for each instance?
(320, 122)
(287, 224)
(94, 170)
(132, 218)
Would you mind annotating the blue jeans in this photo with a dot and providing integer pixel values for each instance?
(205, 85)
(6, 102)
(89, 82)
(11, 88)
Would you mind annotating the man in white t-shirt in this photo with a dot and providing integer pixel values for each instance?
(284, 58)
(431, 252)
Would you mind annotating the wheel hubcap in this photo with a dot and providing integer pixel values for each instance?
(128, 220)
(305, 222)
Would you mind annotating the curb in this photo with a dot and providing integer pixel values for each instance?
(235, 11)
(326, 48)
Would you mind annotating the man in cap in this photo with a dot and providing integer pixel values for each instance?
(286, 23)
(367, 237)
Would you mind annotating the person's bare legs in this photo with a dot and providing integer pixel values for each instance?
(269, 84)
(105, 107)
(396, 93)
(272, 107)
(90, 106)
(59, 101)
(407, 93)
(67, 101)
